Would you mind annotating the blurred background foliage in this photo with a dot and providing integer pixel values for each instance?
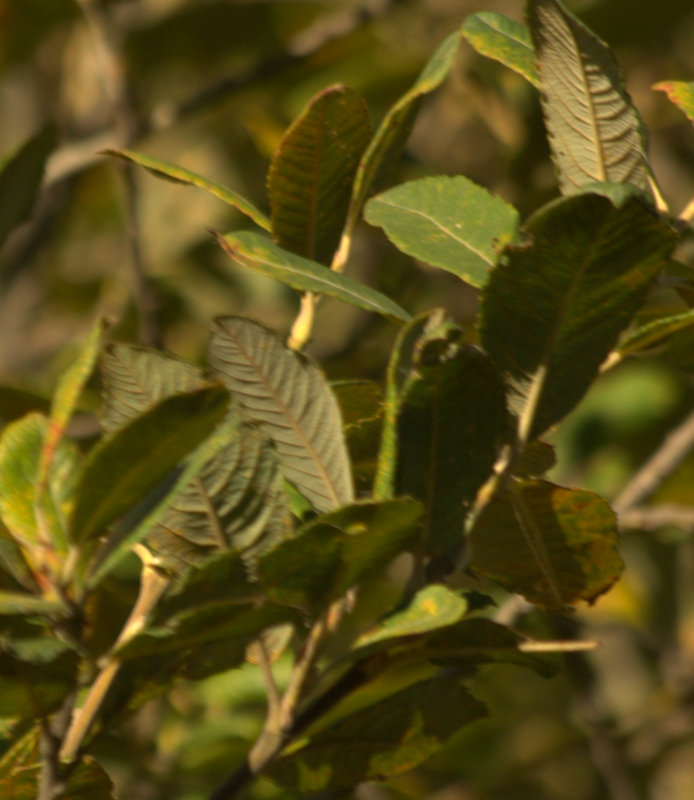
(211, 85)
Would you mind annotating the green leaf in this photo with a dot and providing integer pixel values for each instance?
(20, 603)
(391, 135)
(448, 419)
(289, 396)
(236, 500)
(555, 546)
(120, 470)
(594, 130)
(361, 403)
(449, 222)
(35, 676)
(503, 39)
(260, 254)
(176, 174)
(135, 379)
(38, 526)
(331, 553)
(20, 179)
(556, 305)
(67, 393)
(655, 333)
(310, 177)
(433, 607)
(679, 93)
(385, 739)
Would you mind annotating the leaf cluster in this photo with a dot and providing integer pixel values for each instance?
(234, 482)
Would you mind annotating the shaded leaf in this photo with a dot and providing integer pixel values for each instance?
(258, 253)
(122, 469)
(391, 135)
(142, 518)
(289, 396)
(391, 736)
(21, 174)
(361, 403)
(35, 676)
(236, 500)
(38, 528)
(449, 222)
(176, 174)
(503, 39)
(448, 420)
(135, 379)
(310, 176)
(557, 303)
(331, 553)
(555, 546)
(679, 93)
(595, 132)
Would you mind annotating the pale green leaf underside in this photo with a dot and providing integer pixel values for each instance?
(449, 222)
(290, 398)
(235, 501)
(258, 253)
(176, 174)
(135, 379)
(681, 94)
(503, 39)
(594, 130)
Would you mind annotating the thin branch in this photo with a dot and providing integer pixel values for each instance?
(152, 585)
(662, 463)
(651, 518)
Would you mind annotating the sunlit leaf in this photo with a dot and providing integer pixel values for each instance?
(392, 133)
(120, 470)
(594, 130)
(503, 39)
(68, 390)
(289, 396)
(22, 603)
(449, 222)
(21, 174)
(176, 174)
(389, 737)
(557, 303)
(555, 546)
(679, 93)
(433, 607)
(331, 553)
(258, 253)
(39, 528)
(310, 177)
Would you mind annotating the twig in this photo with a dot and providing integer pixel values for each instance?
(652, 517)
(52, 778)
(152, 585)
(661, 464)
